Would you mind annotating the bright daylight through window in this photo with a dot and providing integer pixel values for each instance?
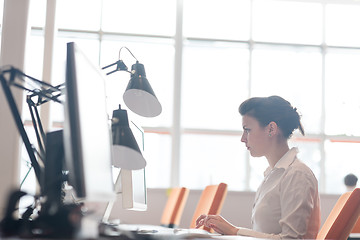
(204, 61)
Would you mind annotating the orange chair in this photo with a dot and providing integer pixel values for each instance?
(342, 217)
(211, 201)
(174, 207)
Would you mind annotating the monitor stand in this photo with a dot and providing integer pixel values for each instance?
(56, 219)
(53, 178)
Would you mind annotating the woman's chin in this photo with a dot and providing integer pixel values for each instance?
(254, 154)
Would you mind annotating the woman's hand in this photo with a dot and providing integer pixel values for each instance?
(216, 222)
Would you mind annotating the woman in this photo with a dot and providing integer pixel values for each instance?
(287, 201)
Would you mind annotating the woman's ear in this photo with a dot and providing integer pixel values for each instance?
(272, 129)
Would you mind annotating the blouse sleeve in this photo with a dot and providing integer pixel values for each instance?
(298, 197)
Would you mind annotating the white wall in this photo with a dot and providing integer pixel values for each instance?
(236, 209)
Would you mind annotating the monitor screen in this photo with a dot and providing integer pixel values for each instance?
(133, 182)
(87, 136)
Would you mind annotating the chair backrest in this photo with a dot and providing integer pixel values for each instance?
(342, 217)
(211, 201)
(174, 207)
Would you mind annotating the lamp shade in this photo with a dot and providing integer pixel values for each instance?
(139, 97)
(126, 152)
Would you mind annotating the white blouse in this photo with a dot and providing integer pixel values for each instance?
(287, 202)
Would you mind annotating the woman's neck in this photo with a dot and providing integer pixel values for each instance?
(277, 152)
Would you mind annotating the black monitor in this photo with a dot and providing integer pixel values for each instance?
(87, 136)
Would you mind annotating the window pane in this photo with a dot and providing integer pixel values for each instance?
(139, 16)
(215, 80)
(211, 159)
(342, 24)
(294, 74)
(33, 65)
(220, 19)
(157, 154)
(341, 159)
(79, 14)
(287, 21)
(342, 99)
(158, 59)
(34, 55)
(37, 13)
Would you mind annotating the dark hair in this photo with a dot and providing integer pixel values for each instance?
(273, 109)
(350, 180)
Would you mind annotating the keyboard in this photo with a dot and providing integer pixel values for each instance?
(143, 231)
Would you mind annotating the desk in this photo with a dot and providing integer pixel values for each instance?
(153, 232)
(354, 236)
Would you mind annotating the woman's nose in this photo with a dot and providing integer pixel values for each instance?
(243, 138)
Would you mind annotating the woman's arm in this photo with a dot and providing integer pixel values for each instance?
(222, 226)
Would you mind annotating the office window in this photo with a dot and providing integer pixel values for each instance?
(79, 15)
(37, 14)
(156, 17)
(219, 53)
(341, 159)
(215, 80)
(287, 22)
(293, 73)
(227, 19)
(211, 159)
(342, 24)
(342, 99)
(157, 154)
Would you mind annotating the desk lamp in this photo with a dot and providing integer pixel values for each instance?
(125, 146)
(139, 96)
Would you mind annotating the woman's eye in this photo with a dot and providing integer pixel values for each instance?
(246, 130)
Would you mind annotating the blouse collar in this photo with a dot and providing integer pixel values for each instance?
(285, 161)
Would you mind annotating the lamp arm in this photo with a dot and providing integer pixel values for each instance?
(110, 65)
(44, 95)
(120, 66)
(39, 130)
(20, 126)
(42, 83)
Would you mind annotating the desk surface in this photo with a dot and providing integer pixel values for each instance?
(147, 232)
(131, 231)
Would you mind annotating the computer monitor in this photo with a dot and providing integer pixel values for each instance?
(134, 189)
(130, 185)
(133, 182)
(87, 136)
